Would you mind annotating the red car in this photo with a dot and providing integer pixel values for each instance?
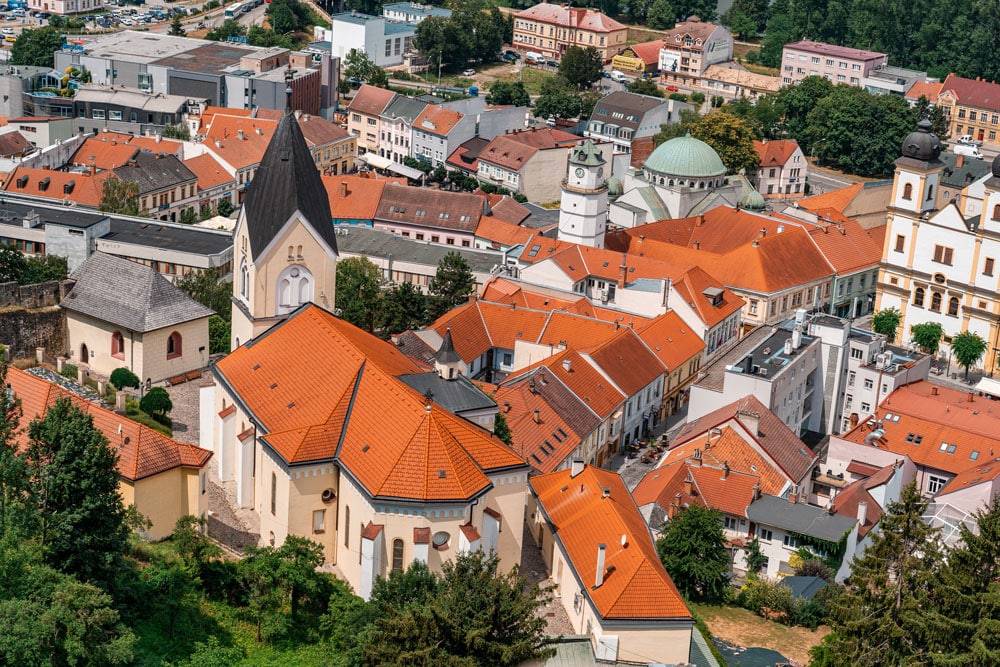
(672, 89)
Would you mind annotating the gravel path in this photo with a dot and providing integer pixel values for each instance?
(533, 568)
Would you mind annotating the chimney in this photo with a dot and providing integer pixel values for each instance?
(725, 470)
(796, 338)
(959, 161)
(781, 227)
(575, 468)
(241, 134)
(568, 365)
(599, 571)
(537, 416)
(756, 491)
(93, 169)
(531, 385)
(260, 132)
(343, 190)
(788, 346)
(934, 391)
(218, 143)
(622, 272)
(793, 495)
(750, 420)
(696, 457)
(688, 485)
(972, 397)
(862, 512)
(763, 232)
(159, 138)
(697, 245)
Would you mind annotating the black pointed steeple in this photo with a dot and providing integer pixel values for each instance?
(447, 354)
(287, 180)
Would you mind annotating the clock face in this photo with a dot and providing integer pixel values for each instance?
(600, 172)
(579, 172)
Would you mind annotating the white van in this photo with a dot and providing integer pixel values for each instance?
(966, 149)
(534, 58)
(619, 77)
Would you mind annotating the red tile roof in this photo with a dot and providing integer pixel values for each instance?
(420, 453)
(436, 120)
(725, 490)
(775, 153)
(544, 438)
(319, 132)
(506, 208)
(225, 140)
(692, 285)
(851, 496)
(582, 378)
(571, 17)
(671, 340)
(973, 92)
(635, 584)
(104, 152)
(507, 153)
(982, 473)
(353, 197)
(13, 143)
(925, 89)
(940, 417)
(847, 246)
(731, 448)
(627, 361)
(142, 451)
(371, 100)
(502, 234)
(476, 327)
(648, 52)
(85, 189)
(543, 137)
(210, 173)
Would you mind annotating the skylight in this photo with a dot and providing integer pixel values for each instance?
(974, 455)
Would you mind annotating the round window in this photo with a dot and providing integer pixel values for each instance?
(295, 273)
(440, 539)
(939, 278)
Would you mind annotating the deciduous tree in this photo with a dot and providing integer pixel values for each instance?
(661, 15)
(206, 288)
(359, 286)
(644, 87)
(693, 550)
(508, 92)
(581, 67)
(501, 429)
(123, 378)
(731, 138)
(558, 104)
(886, 322)
(452, 283)
(156, 401)
(968, 348)
(36, 47)
(120, 196)
(927, 336)
(403, 307)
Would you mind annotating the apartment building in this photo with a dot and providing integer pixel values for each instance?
(972, 106)
(622, 117)
(550, 29)
(782, 170)
(839, 64)
(691, 47)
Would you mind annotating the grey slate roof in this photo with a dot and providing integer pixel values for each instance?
(959, 177)
(358, 240)
(404, 107)
(286, 181)
(799, 518)
(804, 587)
(129, 295)
(152, 172)
(456, 396)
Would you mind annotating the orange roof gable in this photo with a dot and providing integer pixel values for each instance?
(985, 472)
(142, 451)
(635, 585)
(692, 286)
(847, 246)
(628, 362)
(210, 173)
(84, 189)
(727, 491)
(437, 120)
(241, 142)
(580, 377)
(353, 197)
(478, 326)
(775, 153)
(371, 100)
(836, 200)
(924, 89)
(104, 152)
(502, 234)
(671, 340)
(729, 448)
(380, 430)
(543, 438)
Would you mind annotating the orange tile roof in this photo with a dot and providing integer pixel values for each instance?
(107, 153)
(671, 340)
(505, 208)
(983, 472)
(476, 327)
(507, 153)
(648, 52)
(543, 138)
(224, 139)
(500, 233)
(729, 448)
(851, 496)
(436, 120)
(154, 144)
(371, 100)
(420, 452)
(780, 443)
(142, 451)
(775, 153)
(582, 378)
(318, 131)
(847, 246)
(544, 438)
(727, 491)
(635, 584)
(939, 416)
(627, 361)
(353, 197)
(692, 286)
(86, 189)
(210, 173)
(924, 89)
(837, 200)
(209, 113)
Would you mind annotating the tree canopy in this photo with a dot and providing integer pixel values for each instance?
(36, 47)
(644, 87)
(581, 67)
(16, 267)
(927, 336)
(693, 551)
(469, 34)
(120, 196)
(968, 348)
(452, 283)
(731, 138)
(512, 93)
(886, 322)
(359, 285)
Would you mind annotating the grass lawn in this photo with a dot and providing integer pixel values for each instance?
(532, 77)
(742, 627)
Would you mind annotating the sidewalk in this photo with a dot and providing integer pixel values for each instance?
(633, 470)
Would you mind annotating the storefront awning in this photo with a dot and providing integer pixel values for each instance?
(989, 387)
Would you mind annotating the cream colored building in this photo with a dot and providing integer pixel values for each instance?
(123, 314)
(550, 29)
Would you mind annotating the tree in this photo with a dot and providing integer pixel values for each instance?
(15, 267)
(191, 543)
(359, 287)
(927, 110)
(501, 429)
(886, 322)
(258, 574)
(36, 47)
(81, 533)
(703, 9)
(225, 207)
(206, 288)
(668, 131)
(781, 30)
(181, 132)
(403, 307)
(693, 551)
(661, 15)
(558, 104)
(755, 558)
(581, 67)
(644, 87)
(13, 471)
(177, 27)
(123, 377)
(881, 617)
(229, 28)
(753, 10)
(156, 401)
(968, 348)
(743, 26)
(298, 559)
(452, 283)
(927, 336)
(119, 196)
(13, 264)
(358, 66)
(508, 93)
(282, 19)
(219, 335)
(731, 138)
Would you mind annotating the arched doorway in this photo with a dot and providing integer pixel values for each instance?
(84, 354)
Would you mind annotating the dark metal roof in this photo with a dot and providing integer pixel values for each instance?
(155, 234)
(799, 518)
(287, 181)
(155, 171)
(457, 396)
(447, 353)
(13, 212)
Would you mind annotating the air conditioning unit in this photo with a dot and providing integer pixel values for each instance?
(883, 359)
(763, 371)
(604, 295)
(328, 495)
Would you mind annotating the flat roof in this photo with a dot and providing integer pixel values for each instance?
(133, 46)
(12, 213)
(370, 242)
(168, 236)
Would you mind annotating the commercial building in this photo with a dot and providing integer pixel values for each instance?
(691, 47)
(550, 29)
(622, 117)
(839, 64)
(383, 39)
(889, 80)
(412, 12)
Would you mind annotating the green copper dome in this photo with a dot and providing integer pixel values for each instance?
(751, 199)
(686, 157)
(615, 186)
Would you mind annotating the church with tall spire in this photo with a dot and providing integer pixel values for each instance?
(284, 244)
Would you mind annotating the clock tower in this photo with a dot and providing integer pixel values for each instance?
(583, 209)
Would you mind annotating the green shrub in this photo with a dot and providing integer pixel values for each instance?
(162, 425)
(156, 401)
(123, 377)
(698, 98)
(680, 97)
(70, 371)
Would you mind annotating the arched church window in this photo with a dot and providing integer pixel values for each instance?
(294, 288)
(244, 280)
(908, 191)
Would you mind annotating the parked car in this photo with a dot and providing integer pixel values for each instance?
(7, 31)
(469, 72)
(672, 89)
(618, 76)
(201, 25)
(513, 55)
(508, 57)
(552, 63)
